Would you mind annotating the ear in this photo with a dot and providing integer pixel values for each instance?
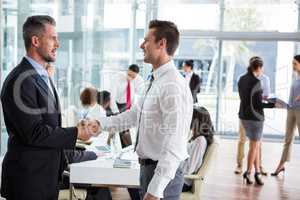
(35, 42)
(163, 43)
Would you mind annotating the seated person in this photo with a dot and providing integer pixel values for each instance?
(104, 100)
(202, 136)
(92, 109)
(98, 103)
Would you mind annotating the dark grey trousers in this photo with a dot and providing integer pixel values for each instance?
(173, 189)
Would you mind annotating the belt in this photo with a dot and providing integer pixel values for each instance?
(147, 162)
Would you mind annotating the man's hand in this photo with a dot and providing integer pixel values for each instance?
(83, 132)
(278, 105)
(150, 197)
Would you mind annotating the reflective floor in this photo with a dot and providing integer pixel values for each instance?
(223, 184)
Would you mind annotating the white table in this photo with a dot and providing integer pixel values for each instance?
(102, 173)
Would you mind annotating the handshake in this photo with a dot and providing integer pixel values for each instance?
(87, 128)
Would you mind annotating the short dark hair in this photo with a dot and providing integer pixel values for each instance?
(134, 67)
(254, 63)
(103, 97)
(167, 30)
(35, 25)
(88, 96)
(189, 63)
(297, 57)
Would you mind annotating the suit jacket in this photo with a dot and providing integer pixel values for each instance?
(250, 92)
(195, 86)
(34, 159)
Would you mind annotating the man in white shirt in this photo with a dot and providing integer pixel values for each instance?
(124, 95)
(162, 117)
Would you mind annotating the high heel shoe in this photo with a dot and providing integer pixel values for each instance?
(257, 179)
(278, 172)
(246, 176)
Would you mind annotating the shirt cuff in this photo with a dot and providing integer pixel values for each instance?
(157, 185)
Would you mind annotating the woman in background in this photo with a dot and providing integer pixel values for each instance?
(251, 114)
(293, 117)
(202, 136)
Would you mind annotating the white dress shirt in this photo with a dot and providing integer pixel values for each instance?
(94, 112)
(121, 88)
(164, 125)
(265, 84)
(196, 150)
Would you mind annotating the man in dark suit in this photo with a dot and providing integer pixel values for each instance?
(34, 160)
(193, 79)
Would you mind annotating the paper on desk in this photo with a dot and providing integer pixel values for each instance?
(129, 155)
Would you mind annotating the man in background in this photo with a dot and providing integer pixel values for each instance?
(192, 79)
(127, 87)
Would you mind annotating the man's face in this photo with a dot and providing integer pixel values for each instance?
(151, 49)
(131, 74)
(296, 65)
(186, 68)
(48, 44)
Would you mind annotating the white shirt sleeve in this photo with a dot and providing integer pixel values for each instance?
(196, 153)
(120, 122)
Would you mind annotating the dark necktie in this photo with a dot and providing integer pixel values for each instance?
(137, 133)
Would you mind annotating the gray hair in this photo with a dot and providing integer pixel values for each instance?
(35, 26)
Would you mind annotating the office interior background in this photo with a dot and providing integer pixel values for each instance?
(101, 37)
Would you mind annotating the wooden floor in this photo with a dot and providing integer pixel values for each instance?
(222, 183)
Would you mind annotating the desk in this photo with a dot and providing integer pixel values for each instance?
(101, 171)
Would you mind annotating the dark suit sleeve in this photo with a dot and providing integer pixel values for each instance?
(24, 119)
(257, 98)
(198, 81)
(76, 156)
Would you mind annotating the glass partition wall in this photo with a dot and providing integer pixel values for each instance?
(101, 37)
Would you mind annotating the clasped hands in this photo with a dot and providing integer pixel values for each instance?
(88, 128)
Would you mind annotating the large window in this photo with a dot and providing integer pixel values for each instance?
(277, 57)
(257, 15)
(102, 37)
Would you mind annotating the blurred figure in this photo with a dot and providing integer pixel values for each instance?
(202, 136)
(89, 98)
(251, 115)
(192, 79)
(127, 87)
(265, 84)
(104, 100)
(293, 117)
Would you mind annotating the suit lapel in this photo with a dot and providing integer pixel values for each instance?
(45, 87)
(42, 86)
(55, 94)
(192, 81)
